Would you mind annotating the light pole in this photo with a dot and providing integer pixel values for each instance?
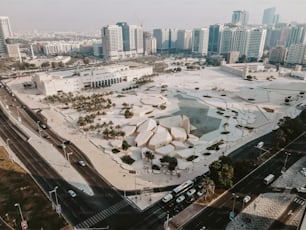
(18, 115)
(167, 222)
(68, 154)
(37, 122)
(7, 141)
(54, 191)
(284, 167)
(235, 197)
(19, 208)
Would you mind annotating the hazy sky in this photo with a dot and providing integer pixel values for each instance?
(91, 15)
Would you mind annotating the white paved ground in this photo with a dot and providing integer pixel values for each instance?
(223, 90)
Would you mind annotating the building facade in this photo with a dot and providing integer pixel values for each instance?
(200, 41)
(296, 54)
(112, 42)
(240, 18)
(51, 83)
(214, 40)
(269, 17)
(184, 39)
(162, 39)
(278, 54)
(5, 32)
(256, 43)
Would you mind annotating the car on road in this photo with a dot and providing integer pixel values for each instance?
(191, 192)
(66, 142)
(303, 171)
(200, 193)
(167, 198)
(180, 199)
(82, 163)
(71, 193)
(246, 199)
(301, 189)
(61, 146)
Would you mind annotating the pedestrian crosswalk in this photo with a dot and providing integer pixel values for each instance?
(91, 221)
(299, 201)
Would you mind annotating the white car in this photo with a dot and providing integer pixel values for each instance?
(200, 193)
(72, 193)
(167, 198)
(191, 192)
(82, 163)
(246, 199)
(301, 189)
(180, 199)
(303, 171)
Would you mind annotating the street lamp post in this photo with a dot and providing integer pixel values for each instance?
(37, 122)
(54, 191)
(284, 167)
(68, 154)
(235, 197)
(20, 212)
(7, 141)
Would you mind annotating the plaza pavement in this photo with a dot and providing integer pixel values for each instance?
(210, 81)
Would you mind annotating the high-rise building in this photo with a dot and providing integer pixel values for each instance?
(5, 32)
(272, 37)
(184, 39)
(162, 39)
(172, 39)
(296, 35)
(125, 35)
(256, 43)
(214, 38)
(296, 54)
(226, 40)
(240, 17)
(269, 17)
(200, 41)
(278, 54)
(240, 40)
(149, 43)
(112, 42)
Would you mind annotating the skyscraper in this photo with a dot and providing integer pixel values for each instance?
(256, 43)
(125, 35)
(240, 17)
(149, 43)
(112, 43)
(5, 32)
(162, 39)
(183, 42)
(269, 16)
(200, 41)
(214, 38)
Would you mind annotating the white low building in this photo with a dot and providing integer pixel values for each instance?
(71, 81)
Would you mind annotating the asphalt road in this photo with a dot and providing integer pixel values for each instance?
(216, 216)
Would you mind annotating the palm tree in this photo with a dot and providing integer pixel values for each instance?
(149, 156)
(208, 187)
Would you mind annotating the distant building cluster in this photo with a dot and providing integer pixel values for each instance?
(236, 41)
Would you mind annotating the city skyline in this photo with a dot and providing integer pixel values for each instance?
(92, 15)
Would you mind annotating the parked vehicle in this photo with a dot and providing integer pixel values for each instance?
(72, 193)
(301, 189)
(82, 163)
(303, 171)
(167, 198)
(191, 192)
(180, 199)
(246, 199)
(268, 179)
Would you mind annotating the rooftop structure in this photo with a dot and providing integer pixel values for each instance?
(71, 81)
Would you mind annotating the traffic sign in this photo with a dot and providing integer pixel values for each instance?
(58, 209)
(24, 225)
(231, 215)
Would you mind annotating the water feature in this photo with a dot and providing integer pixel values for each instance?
(197, 113)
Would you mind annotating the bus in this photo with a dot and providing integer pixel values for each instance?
(182, 187)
